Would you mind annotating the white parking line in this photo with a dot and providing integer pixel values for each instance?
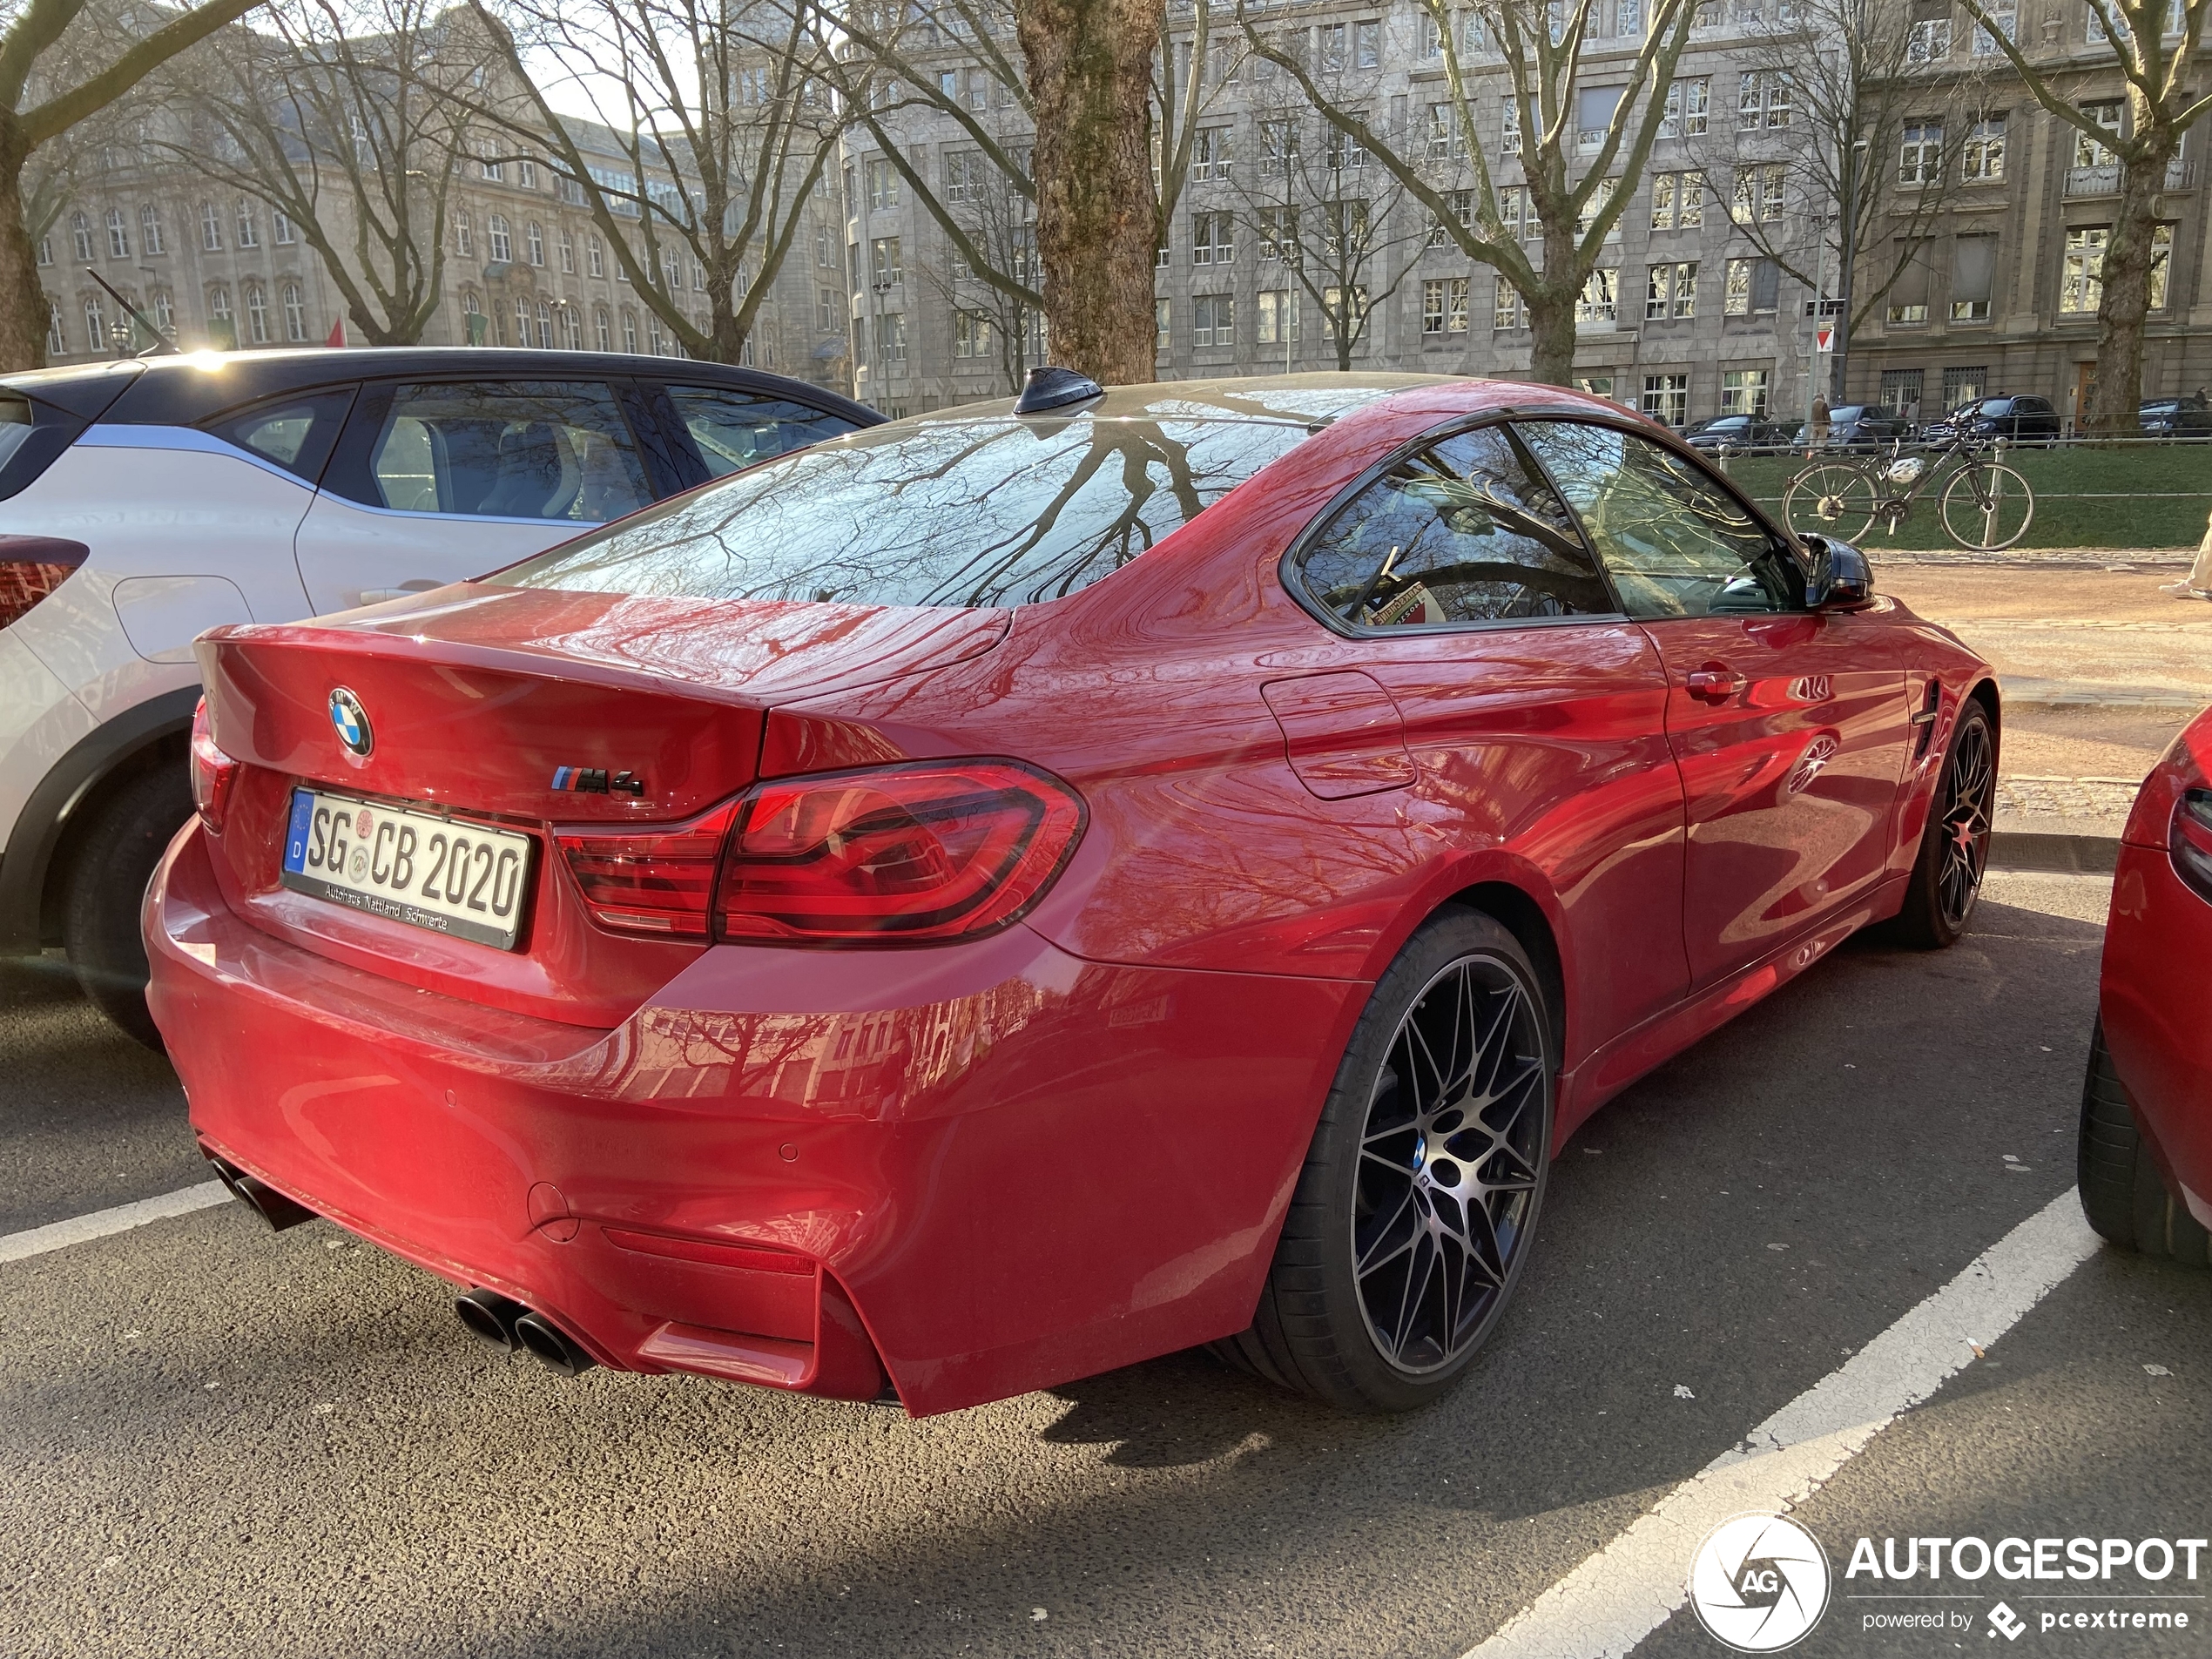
(1620, 1595)
(57, 1235)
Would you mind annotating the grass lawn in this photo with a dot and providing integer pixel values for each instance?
(2136, 494)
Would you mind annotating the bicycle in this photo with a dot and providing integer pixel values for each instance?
(1985, 505)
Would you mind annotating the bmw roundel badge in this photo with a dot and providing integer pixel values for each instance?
(351, 720)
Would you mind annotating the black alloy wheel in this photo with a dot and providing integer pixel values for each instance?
(1954, 847)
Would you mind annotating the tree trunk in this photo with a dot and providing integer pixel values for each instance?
(1089, 64)
(1551, 311)
(2112, 408)
(23, 297)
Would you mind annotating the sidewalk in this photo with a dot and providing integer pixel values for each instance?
(2098, 667)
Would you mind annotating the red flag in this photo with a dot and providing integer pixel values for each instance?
(337, 339)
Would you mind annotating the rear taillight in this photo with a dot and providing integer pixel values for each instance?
(212, 772)
(654, 881)
(31, 567)
(895, 854)
(919, 852)
(2191, 840)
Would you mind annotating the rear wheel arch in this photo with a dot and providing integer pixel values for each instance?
(1520, 915)
(1984, 692)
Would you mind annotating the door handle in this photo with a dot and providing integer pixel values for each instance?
(1716, 681)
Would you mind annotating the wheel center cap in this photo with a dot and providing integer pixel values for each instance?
(1421, 1152)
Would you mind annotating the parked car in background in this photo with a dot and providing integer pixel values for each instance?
(143, 501)
(2177, 417)
(1294, 803)
(1736, 432)
(2017, 420)
(1864, 425)
(2145, 1154)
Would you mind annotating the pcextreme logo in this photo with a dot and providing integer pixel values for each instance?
(1759, 1583)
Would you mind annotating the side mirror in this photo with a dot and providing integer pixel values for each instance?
(1841, 579)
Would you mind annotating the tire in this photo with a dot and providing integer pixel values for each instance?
(115, 860)
(1385, 1285)
(2123, 1196)
(1954, 846)
(1987, 506)
(1832, 499)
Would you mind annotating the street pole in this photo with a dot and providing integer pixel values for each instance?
(1850, 261)
(1286, 311)
(1819, 305)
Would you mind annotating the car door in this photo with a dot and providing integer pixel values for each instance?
(1533, 710)
(1790, 726)
(436, 481)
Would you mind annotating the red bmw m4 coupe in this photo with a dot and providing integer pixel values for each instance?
(1019, 890)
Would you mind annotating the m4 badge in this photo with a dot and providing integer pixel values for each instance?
(594, 780)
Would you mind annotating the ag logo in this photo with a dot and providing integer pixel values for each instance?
(350, 720)
(1758, 1583)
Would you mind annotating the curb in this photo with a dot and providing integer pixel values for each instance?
(2054, 855)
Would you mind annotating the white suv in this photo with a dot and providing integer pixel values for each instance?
(144, 501)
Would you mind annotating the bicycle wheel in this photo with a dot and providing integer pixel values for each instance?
(1987, 506)
(1832, 499)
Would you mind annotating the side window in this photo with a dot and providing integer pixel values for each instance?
(524, 449)
(733, 429)
(295, 432)
(1675, 543)
(1462, 532)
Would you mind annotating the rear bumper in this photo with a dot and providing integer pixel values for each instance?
(2154, 999)
(1003, 1166)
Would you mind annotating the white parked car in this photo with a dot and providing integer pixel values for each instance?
(142, 502)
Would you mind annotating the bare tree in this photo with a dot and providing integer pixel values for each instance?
(1346, 233)
(1552, 127)
(345, 123)
(722, 118)
(2156, 61)
(60, 65)
(998, 225)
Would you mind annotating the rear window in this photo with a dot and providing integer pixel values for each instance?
(32, 433)
(987, 511)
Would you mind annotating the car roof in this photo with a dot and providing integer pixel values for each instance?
(182, 388)
(1301, 400)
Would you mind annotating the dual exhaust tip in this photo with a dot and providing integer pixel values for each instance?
(507, 1324)
(261, 1198)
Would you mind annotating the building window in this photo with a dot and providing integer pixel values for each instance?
(1433, 307)
(595, 257)
(1213, 321)
(1279, 233)
(1366, 45)
(1744, 391)
(630, 331)
(1901, 391)
(1599, 199)
(1594, 385)
(2162, 262)
(119, 234)
(1689, 104)
(81, 230)
(544, 326)
(826, 309)
(295, 314)
(1919, 156)
(2106, 113)
(165, 311)
(527, 171)
(1210, 156)
(1213, 239)
(1163, 318)
(219, 323)
(2082, 279)
(1428, 43)
(1509, 128)
(464, 236)
(1672, 291)
(971, 334)
(1973, 275)
(1665, 398)
(1983, 161)
(281, 221)
(1599, 300)
(257, 314)
(883, 185)
(568, 252)
(46, 253)
(533, 242)
(1444, 305)
(1278, 317)
(884, 264)
(1964, 385)
(1508, 308)
(95, 326)
(571, 327)
(150, 231)
(1763, 100)
(503, 244)
(1332, 48)
(56, 341)
(248, 233)
(1908, 298)
(2006, 15)
(1446, 137)
(1930, 41)
(891, 337)
(602, 332)
(1340, 153)
(211, 229)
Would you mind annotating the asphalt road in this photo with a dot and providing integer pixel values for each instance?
(216, 1440)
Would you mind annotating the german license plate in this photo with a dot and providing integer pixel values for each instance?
(416, 867)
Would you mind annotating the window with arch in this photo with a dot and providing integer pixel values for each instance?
(257, 314)
(150, 231)
(95, 324)
(211, 229)
(45, 249)
(464, 240)
(249, 234)
(165, 311)
(534, 241)
(502, 245)
(521, 322)
(81, 228)
(56, 341)
(473, 323)
(630, 331)
(282, 221)
(571, 327)
(119, 234)
(568, 252)
(653, 334)
(222, 328)
(601, 330)
(296, 313)
(545, 327)
(595, 255)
